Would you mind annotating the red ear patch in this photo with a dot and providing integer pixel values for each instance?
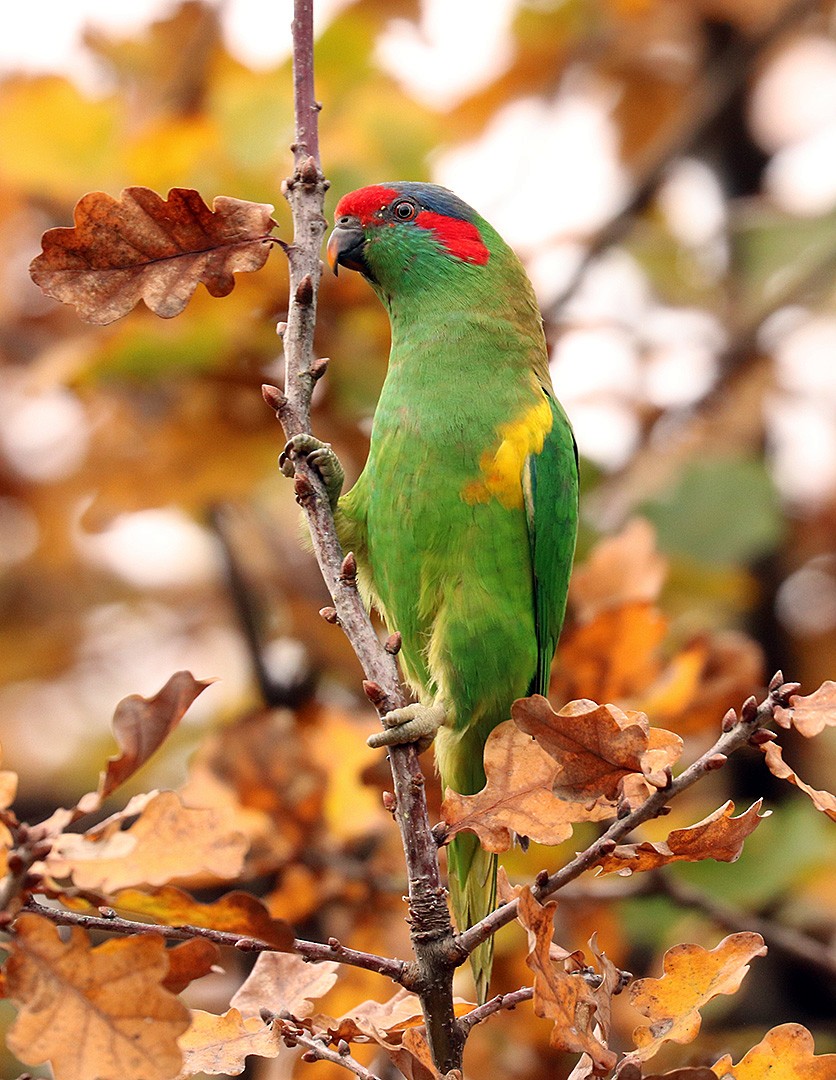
(365, 202)
(459, 238)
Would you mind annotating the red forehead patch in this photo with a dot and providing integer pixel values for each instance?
(365, 202)
(460, 238)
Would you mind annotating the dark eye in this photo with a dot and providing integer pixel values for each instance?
(404, 210)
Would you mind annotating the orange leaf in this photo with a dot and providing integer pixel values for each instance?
(517, 797)
(619, 570)
(283, 982)
(613, 657)
(822, 800)
(166, 842)
(142, 247)
(692, 977)
(566, 999)
(719, 836)
(188, 961)
(221, 1044)
(411, 1055)
(811, 714)
(140, 726)
(93, 1012)
(236, 913)
(784, 1053)
(596, 746)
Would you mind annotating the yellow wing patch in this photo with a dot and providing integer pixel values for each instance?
(502, 470)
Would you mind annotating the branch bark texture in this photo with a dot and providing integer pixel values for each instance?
(431, 930)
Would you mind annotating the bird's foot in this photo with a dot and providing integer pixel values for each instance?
(411, 724)
(320, 457)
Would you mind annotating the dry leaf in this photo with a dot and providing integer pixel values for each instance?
(719, 836)
(188, 961)
(93, 1012)
(692, 977)
(784, 1053)
(236, 913)
(619, 570)
(558, 996)
(141, 725)
(613, 657)
(283, 982)
(412, 1057)
(376, 1020)
(822, 800)
(382, 1020)
(166, 842)
(221, 1044)
(596, 746)
(517, 797)
(810, 715)
(692, 1072)
(142, 247)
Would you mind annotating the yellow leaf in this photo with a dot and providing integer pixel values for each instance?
(784, 1053)
(692, 977)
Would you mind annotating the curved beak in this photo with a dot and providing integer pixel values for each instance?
(345, 248)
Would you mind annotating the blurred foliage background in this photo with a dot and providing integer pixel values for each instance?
(667, 169)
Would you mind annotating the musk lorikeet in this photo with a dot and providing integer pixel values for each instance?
(463, 521)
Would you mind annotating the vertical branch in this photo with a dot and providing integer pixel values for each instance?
(431, 931)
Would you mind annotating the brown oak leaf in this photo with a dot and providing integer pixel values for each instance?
(188, 961)
(382, 1020)
(784, 1053)
(167, 841)
(822, 800)
(596, 746)
(812, 713)
(411, 1056)
(565, 999)
(236, 912)
(517, 797)
(143, 247)
(93, 1012)
(140, 726)
(692, 977)
(221, 1044)
(719, 836)
(283, 982)
(620, 569)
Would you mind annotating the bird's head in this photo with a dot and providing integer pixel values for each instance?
(402, 234)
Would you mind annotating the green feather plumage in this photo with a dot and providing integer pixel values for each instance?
(473, 576)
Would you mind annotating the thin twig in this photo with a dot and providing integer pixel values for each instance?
(777, 936)
(313, 951)
(316, 1050)
(501, 1001)
(753, 717)
(431, 930)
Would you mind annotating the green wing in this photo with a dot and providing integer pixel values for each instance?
(550, 485)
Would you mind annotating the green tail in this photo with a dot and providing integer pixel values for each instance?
(472, 874)
(471, 870)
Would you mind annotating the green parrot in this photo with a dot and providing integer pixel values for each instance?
(464, 518)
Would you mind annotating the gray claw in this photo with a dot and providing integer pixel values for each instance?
(320, 457)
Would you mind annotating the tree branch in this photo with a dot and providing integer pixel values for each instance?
(501, 1001)
(317, 1050)
(431, 930)
(753, 717)
(312, 951)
